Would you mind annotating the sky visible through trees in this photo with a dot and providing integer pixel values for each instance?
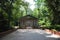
(47, 11)
(31, 4)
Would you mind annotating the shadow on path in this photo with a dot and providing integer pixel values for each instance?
(30, 34)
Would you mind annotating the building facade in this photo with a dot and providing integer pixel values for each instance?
(28, 22)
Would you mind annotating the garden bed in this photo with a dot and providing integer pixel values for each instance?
(53, 31)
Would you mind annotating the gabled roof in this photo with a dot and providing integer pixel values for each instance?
(29, 16)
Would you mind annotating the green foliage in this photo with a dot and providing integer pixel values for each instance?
(56, 27)
(5, 14)
(35, 13)
(10, 12)
(54, 6)
(42, 13)
(47, 11)
(19, 10)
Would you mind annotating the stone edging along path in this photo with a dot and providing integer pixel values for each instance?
(7, 32)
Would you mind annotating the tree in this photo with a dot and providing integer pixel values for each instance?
(43, 14)
(10, 12)
(5, 14)
(54, 6)
(35, 13)
(19, 10)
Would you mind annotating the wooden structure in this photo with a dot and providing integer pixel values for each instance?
(28, 22)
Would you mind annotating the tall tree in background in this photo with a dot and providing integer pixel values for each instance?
(10, 12)
(19, 10)
(54, 6)
(26, 6)
(39, 6)
(35, 13)
(43, 14)
(5, 9)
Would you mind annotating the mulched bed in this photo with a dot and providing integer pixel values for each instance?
(53, 32)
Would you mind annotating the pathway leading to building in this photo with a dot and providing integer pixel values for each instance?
(30, 34)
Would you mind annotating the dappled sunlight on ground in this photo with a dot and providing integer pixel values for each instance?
(53, 36)
(30, 34)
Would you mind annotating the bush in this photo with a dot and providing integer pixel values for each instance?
(56, 27)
